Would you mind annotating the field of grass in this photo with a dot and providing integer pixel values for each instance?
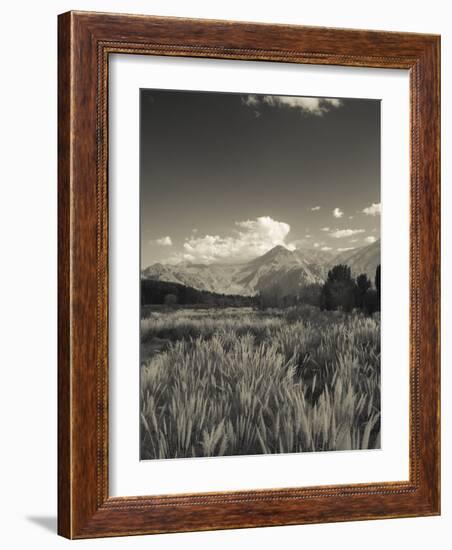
(241, 382)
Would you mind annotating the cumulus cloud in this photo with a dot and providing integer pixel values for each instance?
(326, 248)
(371, 239)
(317, 106)
(337, 213)
(345, 249)
(249, 239)
(342, 233)
(164, 241)
(315, 208)
(324, 229)
(373, 210)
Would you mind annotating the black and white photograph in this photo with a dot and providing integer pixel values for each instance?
(203, 196)
(260, 274)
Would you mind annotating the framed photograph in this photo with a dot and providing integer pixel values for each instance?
(249, 260)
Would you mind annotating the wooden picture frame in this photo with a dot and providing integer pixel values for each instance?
(85, 42)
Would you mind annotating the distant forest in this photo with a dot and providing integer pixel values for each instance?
(340, 291)
(171, 294)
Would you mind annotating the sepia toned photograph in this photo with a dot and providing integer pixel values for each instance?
(260, 273)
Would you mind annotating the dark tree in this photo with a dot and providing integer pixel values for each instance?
(339, 290)
(371, 302)
(363, 284)
(378, 287)
(310, 295)
(377, 279)
(340, 272)
(170, 300)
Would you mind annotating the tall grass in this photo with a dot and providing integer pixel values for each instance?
(248, 383)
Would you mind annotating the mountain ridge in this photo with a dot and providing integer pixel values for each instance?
(288, 269)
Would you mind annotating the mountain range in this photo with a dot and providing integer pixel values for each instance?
(289, 270)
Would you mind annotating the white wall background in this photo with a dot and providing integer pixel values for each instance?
(28, 236)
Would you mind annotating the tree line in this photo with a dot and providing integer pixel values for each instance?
(155, 292)
(340, 291)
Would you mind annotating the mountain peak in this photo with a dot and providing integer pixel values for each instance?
(278, 252)
(279, 266)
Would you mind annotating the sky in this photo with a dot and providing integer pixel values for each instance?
(226, 177)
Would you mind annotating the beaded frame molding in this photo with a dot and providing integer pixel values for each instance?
(85, 42)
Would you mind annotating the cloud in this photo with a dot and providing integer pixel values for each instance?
(325, 229)
(317, 106)
(250, 100)
(300, 243)
(345, 249)
(249, 239)
(326, 248)
(342, 233)
(373, 210)
(337, 213)
(164, 241)
(371, 239)
(315, 208)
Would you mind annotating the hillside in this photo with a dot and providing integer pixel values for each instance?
(361, 260)
(289, 270)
